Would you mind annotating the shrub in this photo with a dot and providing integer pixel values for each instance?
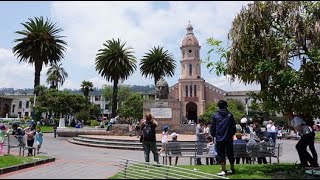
(94, 123)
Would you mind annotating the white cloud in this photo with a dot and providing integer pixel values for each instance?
(17, 75)
(87, 25)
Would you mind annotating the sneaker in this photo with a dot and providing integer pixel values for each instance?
(232, 171)
(222, 173)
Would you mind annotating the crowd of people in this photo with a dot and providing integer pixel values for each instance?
(32, 134)
(219, 138)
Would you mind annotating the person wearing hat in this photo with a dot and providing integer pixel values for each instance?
(223, 128)
(174, 148)
(3, 133)
(164, 138)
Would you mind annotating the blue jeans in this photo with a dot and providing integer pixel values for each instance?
(150, 145)
(273, 136)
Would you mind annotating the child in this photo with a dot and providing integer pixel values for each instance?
(174, 148)
(164, 138)
(39, 138)
(211, 150)
(18, 133)
(3, 133)
(30, 131)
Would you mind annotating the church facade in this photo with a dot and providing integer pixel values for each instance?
(191, 89)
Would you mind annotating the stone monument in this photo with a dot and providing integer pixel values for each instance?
(166, 111)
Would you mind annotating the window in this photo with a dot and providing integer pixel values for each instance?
(97, 98)
(190, 90)
(13, 106)
(195, 90)
(186, 90)
(106, 106)
(190, 53)
(190, 69)
(20, 104)
(27, 104)
(26, 114)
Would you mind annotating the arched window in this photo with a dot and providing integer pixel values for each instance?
(195, 90)
(190, 90)
(190, 69)
(186, 90)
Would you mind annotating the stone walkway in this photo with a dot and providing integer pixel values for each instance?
(81, 162)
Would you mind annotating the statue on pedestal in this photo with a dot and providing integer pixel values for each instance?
(162, 89)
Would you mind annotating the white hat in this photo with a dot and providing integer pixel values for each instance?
(174, 135)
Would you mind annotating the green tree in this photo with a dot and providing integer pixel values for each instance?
(115, 62)
(236, 107)
(157, 63)
(266, 38)
(132, 106)
(39, 45)
(56, 75)
(86, 87)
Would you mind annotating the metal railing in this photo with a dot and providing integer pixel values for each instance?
(131, 169)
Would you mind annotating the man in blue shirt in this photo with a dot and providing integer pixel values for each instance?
(223, 128)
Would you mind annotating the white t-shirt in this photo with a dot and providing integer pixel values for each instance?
(296, 121)
(271, 128)
(243, 120)
(206, 130)
(164, 138)
(211, 149)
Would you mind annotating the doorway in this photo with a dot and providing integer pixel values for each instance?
(191, 111)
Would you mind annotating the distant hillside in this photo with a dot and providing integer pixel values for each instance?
(135, 88)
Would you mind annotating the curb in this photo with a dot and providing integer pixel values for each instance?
(23, 166)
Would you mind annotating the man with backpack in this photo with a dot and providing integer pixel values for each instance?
(223, 128)
(148, 128)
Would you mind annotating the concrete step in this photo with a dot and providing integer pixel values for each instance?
(71, 140)
(125, 140)
(116, 144)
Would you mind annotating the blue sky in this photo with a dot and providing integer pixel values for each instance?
(143, 24)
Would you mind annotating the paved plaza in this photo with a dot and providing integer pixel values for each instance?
(82, 162)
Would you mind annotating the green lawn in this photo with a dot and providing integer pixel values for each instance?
(252, 171)
(318, 136)
(10, 160)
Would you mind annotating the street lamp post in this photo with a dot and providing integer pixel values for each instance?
(247, 109)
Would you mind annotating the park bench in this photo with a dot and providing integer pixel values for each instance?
(263, 149)
(12, 143)
(185, 150)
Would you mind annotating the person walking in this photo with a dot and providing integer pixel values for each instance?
(223, 128)
(243, 123)
(272, 130)
(148, 127)
(307, 139)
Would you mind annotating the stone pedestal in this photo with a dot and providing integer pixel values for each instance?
(62, 123)
(165, 111)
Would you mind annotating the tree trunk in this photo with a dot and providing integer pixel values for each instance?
(264, 86)
(38, 68)
(114, 98)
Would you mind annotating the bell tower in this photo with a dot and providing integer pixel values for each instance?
(191, 85)
(190, 49)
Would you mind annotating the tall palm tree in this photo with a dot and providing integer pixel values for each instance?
(115, 62)
(56, 75)
(86, 87)
(157, 63)
(39, 45)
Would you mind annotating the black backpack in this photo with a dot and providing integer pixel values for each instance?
(149, 132)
